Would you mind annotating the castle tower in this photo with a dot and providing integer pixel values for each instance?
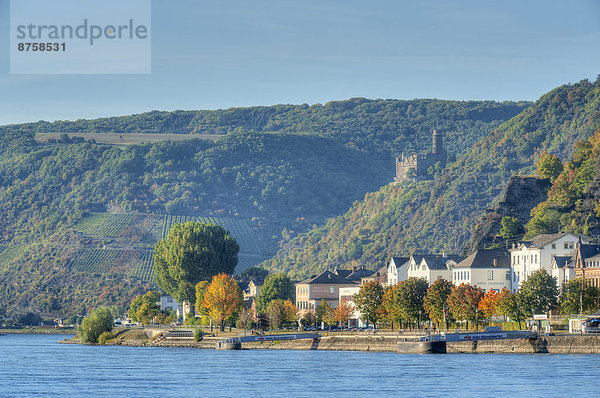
(438, 143)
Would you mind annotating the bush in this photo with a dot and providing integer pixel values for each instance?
(192, 320)
(198, 334)
(99, 321)
(105, 337)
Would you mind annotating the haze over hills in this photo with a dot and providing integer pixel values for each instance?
(80, 218)
(438, 215)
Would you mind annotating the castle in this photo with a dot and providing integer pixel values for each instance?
(420, 163)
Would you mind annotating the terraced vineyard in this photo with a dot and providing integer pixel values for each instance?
(247, 261)
(107, 260)
(145, 268)
(129, 227)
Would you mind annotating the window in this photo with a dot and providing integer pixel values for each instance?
(570, 245)
(490, 275)
(554, 245)
(331, 290)
(507, 275)
(566, 245)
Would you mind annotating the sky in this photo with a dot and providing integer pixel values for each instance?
(221, 54)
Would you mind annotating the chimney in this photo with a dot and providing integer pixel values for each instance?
(444, 254)
(353, 268)
(495, 263)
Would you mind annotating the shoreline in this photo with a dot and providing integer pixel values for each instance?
(561, 344)
(38, 331)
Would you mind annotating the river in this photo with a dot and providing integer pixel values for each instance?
(35, 365)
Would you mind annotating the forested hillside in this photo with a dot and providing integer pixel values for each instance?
(573, 203)
(278, 169)
(438, 215)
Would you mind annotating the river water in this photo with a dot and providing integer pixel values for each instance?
(35, 365)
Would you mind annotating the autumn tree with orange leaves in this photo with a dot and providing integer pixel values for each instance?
(464, 303)
(343, 312)
(222, 299)
(488, 304)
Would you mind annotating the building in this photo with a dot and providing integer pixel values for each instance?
(420, 163)
(563, 269)
(485, 269)
(380, 276)
(347, 294)
(432, 266)
(324, 286)
(168, 303)
(537, 253)
(587, 263)
(397, 270)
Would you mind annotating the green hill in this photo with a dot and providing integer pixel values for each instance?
(278, 170)
(438, 215)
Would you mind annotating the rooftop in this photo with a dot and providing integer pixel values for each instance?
(326, 278)
(437, 261)
(485, 259)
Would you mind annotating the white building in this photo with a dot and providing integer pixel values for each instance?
(432, 266)
(168, 303)
(485, 269)
(563, 269)
(347, 294)
(397, 270)
(536, 253)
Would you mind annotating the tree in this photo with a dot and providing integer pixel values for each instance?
(538, 293)
(391, 304)
(254, 273)
(511, 227)
(343, 312)
(322, 312)
(575, 297)
(280, 311)
(411, 295)
(193, 252)
(464, 303)
(276, 287)
(436, 301)
(549, 166)
(488, 304)
(223, 299)
(99, 321)
(509, 304)
(150, 307)
(369, 301)
(200, 291)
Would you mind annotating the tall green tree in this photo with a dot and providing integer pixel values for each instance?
(509, 305)
(99, 321)
(538, 294)
(436, 302)
(193, 252)
(369, 301)
(276, 287)
(412, 295)
(575, 296)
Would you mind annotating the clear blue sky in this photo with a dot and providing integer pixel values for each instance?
(219, 54)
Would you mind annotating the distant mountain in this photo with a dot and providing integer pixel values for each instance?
(438, 215)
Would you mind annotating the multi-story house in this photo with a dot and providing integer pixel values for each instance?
(536, 253)
(486, 269)
(397, 270)
(324, 286)
(587, 263)
(432, 266)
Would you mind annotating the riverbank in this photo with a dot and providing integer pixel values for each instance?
(561, 344)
